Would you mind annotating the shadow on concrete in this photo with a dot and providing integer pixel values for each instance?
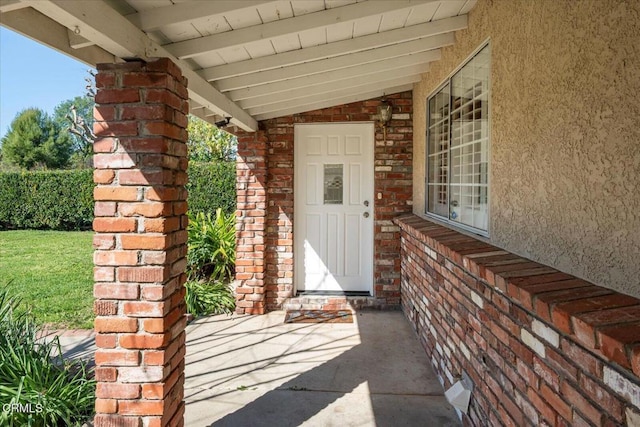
(75, 344)
(258, 371)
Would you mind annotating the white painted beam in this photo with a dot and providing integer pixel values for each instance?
(180, 13)
(77, 41)
(337, 101)
(336, 63)
(201, 91)
(94, 22)
(193, 105)
(372, 41)
(362, 71)
(364, 87)
(377, 79)
(113, 32)
(36, 26)
(11, 5)
(270, 30)
(470, 4)
(201, 112)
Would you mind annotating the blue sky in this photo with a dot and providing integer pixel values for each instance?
(34, 75)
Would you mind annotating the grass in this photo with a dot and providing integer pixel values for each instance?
(52, 272)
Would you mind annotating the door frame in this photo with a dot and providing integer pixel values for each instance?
(370, 251)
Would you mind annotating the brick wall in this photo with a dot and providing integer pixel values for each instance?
(541, 347)
(251, 177)
(393, 181)
(140, 243)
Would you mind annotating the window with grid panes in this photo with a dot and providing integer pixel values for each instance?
(458, 146)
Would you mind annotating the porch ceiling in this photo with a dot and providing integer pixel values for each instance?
(255, 59)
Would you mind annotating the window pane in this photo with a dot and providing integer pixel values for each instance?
(434, 196)
(469, 143)
(333, 179)
(438, 152)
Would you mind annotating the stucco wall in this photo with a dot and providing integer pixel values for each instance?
(565, 132)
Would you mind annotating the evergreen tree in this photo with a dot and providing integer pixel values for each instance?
(35, 140)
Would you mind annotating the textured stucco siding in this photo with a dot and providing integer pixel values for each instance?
(565, 132)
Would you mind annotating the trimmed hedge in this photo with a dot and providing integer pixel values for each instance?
(63, 199)
(57, 200)
(212, 186)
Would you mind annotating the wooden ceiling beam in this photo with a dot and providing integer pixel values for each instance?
(362, 71)
(181, 13)
(375, 80)
(270, 30)
(387, 38)
(336, 101)
(370, 56)
(36, 26)
(98, 22)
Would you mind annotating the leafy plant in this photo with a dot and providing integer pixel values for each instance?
(207, 143)
(37, 386)
(211, 246)
(211, 260)
(204, 298)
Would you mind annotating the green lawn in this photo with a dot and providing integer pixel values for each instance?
(52, 271)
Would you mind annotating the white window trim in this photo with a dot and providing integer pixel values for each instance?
(445, 220)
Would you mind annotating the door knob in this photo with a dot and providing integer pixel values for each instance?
(366, 214)
(366, 203)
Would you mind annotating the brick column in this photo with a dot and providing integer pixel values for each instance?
(140, 243)
(251, 222)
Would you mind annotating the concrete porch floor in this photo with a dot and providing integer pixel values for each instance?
(253, 371)
(258, 371)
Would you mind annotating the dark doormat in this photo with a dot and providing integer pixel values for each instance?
(318, 316)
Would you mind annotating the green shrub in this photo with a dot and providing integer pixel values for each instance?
(212, 186)
(211, 246)
(57, 200)
(211, 260)
(63, 199)
(34, 375)
(204, 298)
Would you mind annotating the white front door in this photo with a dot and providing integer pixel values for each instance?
(333, 207)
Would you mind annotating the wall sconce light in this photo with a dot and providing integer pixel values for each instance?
(223, 123)
(385, 110)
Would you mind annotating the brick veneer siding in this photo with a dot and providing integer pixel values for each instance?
(541, 347)
(140, 243)
(269, 153)
(251, 174)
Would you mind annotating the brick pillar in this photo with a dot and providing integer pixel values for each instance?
(140, 243)
(251, 222)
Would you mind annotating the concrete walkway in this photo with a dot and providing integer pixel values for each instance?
(257, 371)
(253, 371)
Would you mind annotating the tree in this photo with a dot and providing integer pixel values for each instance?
(34, 139)
(207, 143)
(76, 117)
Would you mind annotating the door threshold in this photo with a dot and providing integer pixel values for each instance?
(334, 293)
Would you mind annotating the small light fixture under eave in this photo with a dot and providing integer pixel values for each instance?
(223, 123)
(385, 110)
